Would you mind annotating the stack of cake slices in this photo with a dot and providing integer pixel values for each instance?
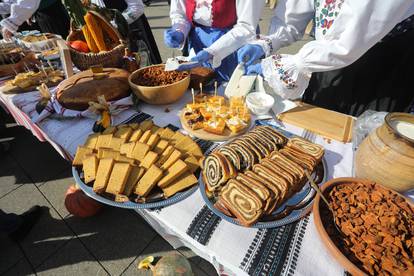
(255, 174)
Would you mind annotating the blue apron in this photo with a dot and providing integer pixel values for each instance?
(203, 37)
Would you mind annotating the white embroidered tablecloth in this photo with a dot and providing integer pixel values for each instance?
(293, 249)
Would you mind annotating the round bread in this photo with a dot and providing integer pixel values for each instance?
(77, 91)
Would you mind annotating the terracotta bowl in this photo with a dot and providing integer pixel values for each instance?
(165, 94)
(326, 239)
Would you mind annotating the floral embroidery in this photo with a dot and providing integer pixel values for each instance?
(326, 13)
(284, 76)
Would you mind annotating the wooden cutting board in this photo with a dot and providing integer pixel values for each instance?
(324, 122)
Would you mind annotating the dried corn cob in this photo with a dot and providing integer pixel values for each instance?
(89, 39)
(95, 31)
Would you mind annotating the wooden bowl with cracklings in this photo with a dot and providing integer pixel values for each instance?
(151, 85)
(335, 242)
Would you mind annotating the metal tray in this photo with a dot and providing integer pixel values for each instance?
(292, 210)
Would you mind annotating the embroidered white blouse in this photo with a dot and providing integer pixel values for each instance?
(248, 15)
(134, 10)
(19, 10)
(344, 31)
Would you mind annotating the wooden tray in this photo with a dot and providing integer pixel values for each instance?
(327, 123)
(204, 135)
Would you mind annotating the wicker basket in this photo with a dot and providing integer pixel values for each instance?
(83, 61)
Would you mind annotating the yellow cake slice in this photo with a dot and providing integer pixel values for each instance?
(119, 176)
(144, 138)
(104, 141)
(149, 159)
(134, 176)
(167, 134)
(183, 143)
(161, 146)
(124, 133)
(154, 129)
(165, 155)
(107, 153)
(195, 150)
(153, 140)
(175, 155)
(184, 181)
(177, 137)
(173, 172)
(134, 126)
(122, 158)
(91, 141)
(140, 150)
(81, 153)
(146, 125)
(90, 166)
(116, 143)
(110, 130)
(192, 163)
(102, 175)
(127, 148)
(136, 135)
(148, 181)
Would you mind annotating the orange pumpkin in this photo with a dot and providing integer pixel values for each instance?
(79, 46)
(79, 204)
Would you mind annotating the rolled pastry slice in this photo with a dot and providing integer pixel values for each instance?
(261, 190)
(249, 147)
(302, 145)
(232, 155)
(279, 138)
(247, 158)
(279, 170)
(307, 162)
(279, 181)
(264, 140)
(264, 151)
(216, 171)
(273, 188)
(220, 206)
(290, 166)
(245, 204)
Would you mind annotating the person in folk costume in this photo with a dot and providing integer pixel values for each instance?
(139, 28)
(44, 12)
(215, 29)
(361, 58)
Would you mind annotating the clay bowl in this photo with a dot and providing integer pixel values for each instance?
(386, 156)
(157, 95)
(325, 237)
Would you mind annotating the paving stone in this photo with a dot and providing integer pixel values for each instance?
(55, 190)
(115, 236)
(157, 248)
(50, 232)
(39, 160)
(11, 175)
(10, 254)
(23, 267)
(72, 259)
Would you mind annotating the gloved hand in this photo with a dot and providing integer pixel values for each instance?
(250, 53)
(173, 39)
(255, 69)
(201, 57)
(6, 33)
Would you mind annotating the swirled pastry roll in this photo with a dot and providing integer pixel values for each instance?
(261, 190)
(263, 150)
(232, 155)
(279, 138)
(289, 176)
(220, 206)
(273, 188)
(217, 169)
(290, 166)
(307, 162)
(247, 158)
(264, 140)
(279, 181)
(242, 202)
(302, 145)
(249, 147)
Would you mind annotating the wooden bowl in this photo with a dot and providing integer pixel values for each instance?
(326, 239)
(386, 156)
(165, 94)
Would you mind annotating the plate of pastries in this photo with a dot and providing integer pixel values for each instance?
(215, 118)
(258, 179)
(138, 166)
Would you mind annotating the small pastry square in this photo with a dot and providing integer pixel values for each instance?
(145, 136)
(173, 172)
(139, 152)
(215, 126)
(136, 135)
(91, 141)
(124, 133)
(119, 176)
(148, 181)
(149, 159)
(102, 175)
(90, 166)
(81, 153)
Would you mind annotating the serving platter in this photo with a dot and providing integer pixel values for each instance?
(290, 211)
(129, 204)
(204, 135)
